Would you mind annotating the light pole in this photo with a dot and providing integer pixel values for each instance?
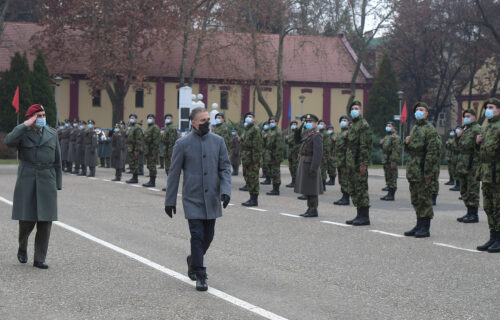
(400, 97)
(302, 98)
(58, 83)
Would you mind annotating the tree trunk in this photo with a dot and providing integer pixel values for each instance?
(494, 89)
(3, 13)
(279, 100)
(117, 93)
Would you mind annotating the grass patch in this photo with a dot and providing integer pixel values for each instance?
(8, 161)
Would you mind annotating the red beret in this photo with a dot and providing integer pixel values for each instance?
(34, 109)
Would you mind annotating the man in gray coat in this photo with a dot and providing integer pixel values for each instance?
(206, 182)
(38, 178)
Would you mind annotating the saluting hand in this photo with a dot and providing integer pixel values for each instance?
(479, 138)
(30, 121)
(136, 154)
(407, 140)
(169, 210)
(225, 200)
(362, 170)
(393, 165)
(427, 180)
(346, 133)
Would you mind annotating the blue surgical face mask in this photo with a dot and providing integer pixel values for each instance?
(343, 124)
(167, 121)
(309, 126)
(321, 126)
(419, 115)
(233, 133)
(272, 125)
(116, 130)
(245, 124)
(457, 131)
(75, 124)
(489, 113)
(132, 120)
(80, 127)
(354, 113)
(330, 131)
(248, 120)
(40, 122)
(66, 125)
(293, 127)
(452, 134)
(388, 129)
(150, 121)
(467, 120)
(90, 126)
(61, 127)
(266, 127)
(218, 121)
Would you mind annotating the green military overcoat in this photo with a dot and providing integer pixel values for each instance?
(39, 174)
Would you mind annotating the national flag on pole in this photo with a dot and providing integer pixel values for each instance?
(404, 114)
(15, 101)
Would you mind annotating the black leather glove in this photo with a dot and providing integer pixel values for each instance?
(225, 200)
(169, 210)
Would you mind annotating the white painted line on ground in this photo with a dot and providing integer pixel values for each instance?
(388, 233)
(135, 185)
(453, 247)
(92, 178)
(257, 209)
(230, 204)
(337, 223)
(120, 182)
(290, 215)
(154, 189)
(107, 180)
(174, 274)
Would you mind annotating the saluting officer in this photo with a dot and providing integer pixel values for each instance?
(151, 148)
(391, 153)
(135, 147)
(309, 182)
(340, 156)
(293, 153)
(251, 154)
(90, 141)
(423, 144)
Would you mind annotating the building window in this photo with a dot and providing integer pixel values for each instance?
(96, 98)
(139, 98)
(223, 100)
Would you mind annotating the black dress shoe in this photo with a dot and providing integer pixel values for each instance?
(244, 188)
(201, 283)
(40, 265)
(302, 197)
(22, 256)
(191, 273)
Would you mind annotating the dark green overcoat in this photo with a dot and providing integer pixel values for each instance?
(39, 174)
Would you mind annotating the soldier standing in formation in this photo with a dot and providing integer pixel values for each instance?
(222, 130)
(104, 147)
(135, 144)
(327, 145)
(358, 157)
(73, 147)
(169, 138)
(340, 160)
(391, 148)
(251, 154)
(309, 182)
(162, 149)
(151, 148)
(234, 145)
(80, 140)
(437, 170)
(64, 142)
(90, 140)
(117, 160)
(266, 155)
(275, 148)
(450, 146)
(467, 166)
(489, 172)
(332, 169)
(454, 156)
(293, 153)
(424, 148)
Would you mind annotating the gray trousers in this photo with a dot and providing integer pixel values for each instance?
(41, 238)
(312, 202)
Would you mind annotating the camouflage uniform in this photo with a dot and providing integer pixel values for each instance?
(169, 138)
(391, 149)
(135, 144)
(223, 130)
(340, 163)
(266, 156)
(331, 167)
(251, 153)
(450, 158)
(293, 157)
(151, 147)
(327, 151)
(275, 153)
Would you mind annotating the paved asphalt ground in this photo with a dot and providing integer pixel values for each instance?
(130, 261)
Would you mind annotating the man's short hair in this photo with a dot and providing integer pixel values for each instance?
(195, 112)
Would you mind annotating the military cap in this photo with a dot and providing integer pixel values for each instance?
(66, 120)
(420, 104)
(459, 127)
(494, 101)
(91, 122)
(471, 111)
(121, 122)
(75, 120)
(322, 121)
(329, 127)
(294, 121)
(451, 130)
(344, 117)
(169, 115)
(163, 128)
(302, 117)
(220, 115)
(133, 115)
(151, 115)
(355, 103)
(34, 109)
(274, 118)
(310, 117)
(249, 113)
(83, 122)
(390, 122)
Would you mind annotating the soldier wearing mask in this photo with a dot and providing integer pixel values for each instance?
(266, 155)
(169, 138)
(358, 157)
(454, 157)
(135, 147)
(309, 182)
(251, 155)
(391, 153)
(275, 146)
(73, 147)
(340, 153)
(151, 148)
(331, 168)
(81, 147)
(293, 153)
(222, 130)
(423, 145)
(450, 149)
(327, 146)
(117, 160)
(65, 151)
(489, 172)
(90, 148)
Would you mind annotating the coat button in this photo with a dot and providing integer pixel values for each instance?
(204, 156)
(206, 190)
(205, 173)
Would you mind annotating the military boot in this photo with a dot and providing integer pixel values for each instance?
(302, 197)
(344, 201)
(471, 216)
(244, 188)
(201, 282)
(417, 227)
(275, 191)
(83, 172)
(389, 196)
(310, 213)
(485, 246)
(495, 247)
(291, 184)
(450, 182)
(434, 198)
(424, 230)
(363, 217)
(267, 181)
(118, 175)
(456, 187)
(324, 185)
(253, 202)
(133, 179)
(92, 172)
(355, 218)
(331, 182)
(386, 188)
(461, 219)
(151, 183)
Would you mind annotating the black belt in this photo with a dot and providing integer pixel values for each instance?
(40, 166)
